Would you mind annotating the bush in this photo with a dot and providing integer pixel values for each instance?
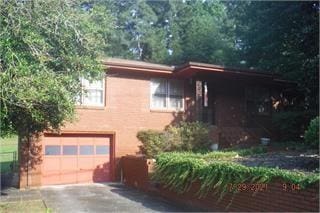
(153, 142)
(179, 170)
(289, 125)
(187, 136)
(311, 136)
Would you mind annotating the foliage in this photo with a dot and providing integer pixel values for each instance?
(289, 125)
(171, 31)
(200, 31)
(153, 142)
(222, 154)
(178, 171)
(187, 136)
(45, 47)
(281, 37)
(311, 136)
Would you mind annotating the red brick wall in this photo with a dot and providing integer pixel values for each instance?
(272, 199)
(127, 111)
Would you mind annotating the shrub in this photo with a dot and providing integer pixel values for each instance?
(187, 136)
(311, 136)
(152, 142)
(288, 125)
(179, 170)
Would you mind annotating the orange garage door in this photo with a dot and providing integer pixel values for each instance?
(75, 159)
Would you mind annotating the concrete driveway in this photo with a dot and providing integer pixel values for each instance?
(111, 197)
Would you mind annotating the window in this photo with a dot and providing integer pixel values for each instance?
(70, 150)
(258, 101)
(102, 150)
(92, 93)
(86, 150)
(166, 94)
(52, 150)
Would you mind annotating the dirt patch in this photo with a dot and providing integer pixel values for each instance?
(305, 162)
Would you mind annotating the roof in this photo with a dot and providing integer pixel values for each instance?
(117, 63)
(185, 70)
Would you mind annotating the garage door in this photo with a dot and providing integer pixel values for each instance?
(75, 159)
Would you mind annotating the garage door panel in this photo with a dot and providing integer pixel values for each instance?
(85, 176)
(52, 140)
(101, 141)
(85, 140)
(69, 140)
(101, 160)
(52, 164)
(86, 163)
(78, 159)
(69, 164)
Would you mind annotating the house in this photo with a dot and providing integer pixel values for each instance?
(137, 95)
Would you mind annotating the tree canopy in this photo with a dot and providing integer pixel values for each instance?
(281, 37)
(45, 47)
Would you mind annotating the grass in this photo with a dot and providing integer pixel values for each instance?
(33, 206)
(7, 147)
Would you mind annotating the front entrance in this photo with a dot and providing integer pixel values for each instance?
(76, 158)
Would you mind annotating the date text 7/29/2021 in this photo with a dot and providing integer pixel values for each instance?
(262, 187)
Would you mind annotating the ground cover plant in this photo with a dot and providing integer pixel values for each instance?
(214, 171)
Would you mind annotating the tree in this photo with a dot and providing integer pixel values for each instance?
(199, 31)
(136, 36)
(281, 37)
(172, 32)
(45, 47)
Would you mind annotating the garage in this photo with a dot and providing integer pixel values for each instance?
(77, 158)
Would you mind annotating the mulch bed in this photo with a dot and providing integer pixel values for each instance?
(292, 160)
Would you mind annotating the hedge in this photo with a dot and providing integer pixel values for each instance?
(179, 170)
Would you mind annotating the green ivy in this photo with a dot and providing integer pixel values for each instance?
(178, 171)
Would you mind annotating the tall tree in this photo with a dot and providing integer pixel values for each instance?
(135, 35)
(198, 31)
(45, 47)
(172, 31)
(281, 37)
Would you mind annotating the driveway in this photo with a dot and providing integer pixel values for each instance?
(109, 197)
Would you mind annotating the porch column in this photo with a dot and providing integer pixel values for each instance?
(199, 99)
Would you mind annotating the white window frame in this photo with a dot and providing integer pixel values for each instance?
(168, 107)
(84, 88)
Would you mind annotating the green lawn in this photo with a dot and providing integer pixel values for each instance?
(24, 206)
(7, 147)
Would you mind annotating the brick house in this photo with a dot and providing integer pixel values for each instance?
(135, 96)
